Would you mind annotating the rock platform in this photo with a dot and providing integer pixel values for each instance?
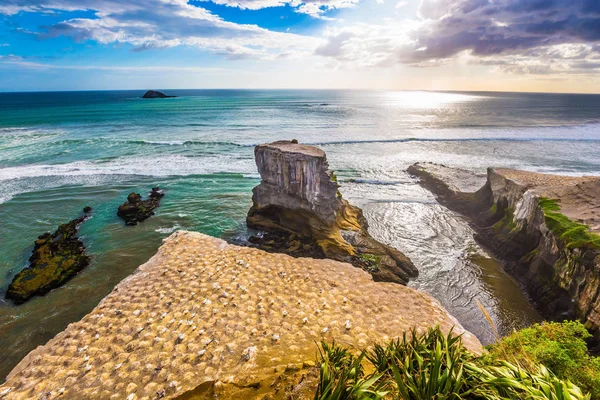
(203, 318)
(56, 258)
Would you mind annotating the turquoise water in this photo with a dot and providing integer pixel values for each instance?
(62, 151)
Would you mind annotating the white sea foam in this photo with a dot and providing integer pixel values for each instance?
(34, 177)
(174, 165)
(15, 129)
(28, 131)
(11, 188)
(168, 230)
(168, 143)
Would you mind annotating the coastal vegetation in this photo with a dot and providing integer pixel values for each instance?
(545, 361)
(370, 262)
(573, 234)
(561, 347)
(507, 224)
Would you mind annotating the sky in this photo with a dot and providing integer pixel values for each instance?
(495, 45)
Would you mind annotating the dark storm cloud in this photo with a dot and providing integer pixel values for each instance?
(515, 36)
(489, 27)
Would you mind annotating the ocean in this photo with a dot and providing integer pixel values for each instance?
(61, 151)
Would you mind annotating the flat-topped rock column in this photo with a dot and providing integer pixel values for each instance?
(298, 198)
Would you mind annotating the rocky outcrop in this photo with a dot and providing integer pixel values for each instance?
(544, 226)
(206, 319)
(136, 210)
(298, 199)
(153, 94)
(57, 257)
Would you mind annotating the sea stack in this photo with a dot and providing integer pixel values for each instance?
(154, 94)
(545, 227)
(298, 200)
(136, 210)
(57, 257)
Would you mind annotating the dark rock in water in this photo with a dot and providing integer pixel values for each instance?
(292, 244)
(299, 207)
(136, 210)
(57, 257)
(153, 94)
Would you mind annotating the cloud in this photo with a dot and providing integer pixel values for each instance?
(509, 36)
(487, 27)
(314, 8)
(13, 60)
(368, 45)
(152, 24)
(519, 36)
(564, 59)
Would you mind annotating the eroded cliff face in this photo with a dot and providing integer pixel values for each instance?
(561, 275)
(296, 176)
(564, 280)
(299, 199)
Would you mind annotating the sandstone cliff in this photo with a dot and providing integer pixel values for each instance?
(546, 228)
(299, 197)
(205, 319)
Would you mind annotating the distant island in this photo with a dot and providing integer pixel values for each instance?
(153, 94)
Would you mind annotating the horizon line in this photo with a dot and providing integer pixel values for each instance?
(301, 89)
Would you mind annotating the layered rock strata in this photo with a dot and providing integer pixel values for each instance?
(56, 258)
(206, 319)
(299, 200)
(545, 226)
(136, 210)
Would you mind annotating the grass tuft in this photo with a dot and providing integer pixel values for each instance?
(571, 233)
(370, 262)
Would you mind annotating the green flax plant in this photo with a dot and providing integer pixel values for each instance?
(433, 365)
(342, 376)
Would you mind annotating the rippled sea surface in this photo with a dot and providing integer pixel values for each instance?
(62, 151)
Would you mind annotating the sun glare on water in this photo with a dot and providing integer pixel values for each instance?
(425, 100)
